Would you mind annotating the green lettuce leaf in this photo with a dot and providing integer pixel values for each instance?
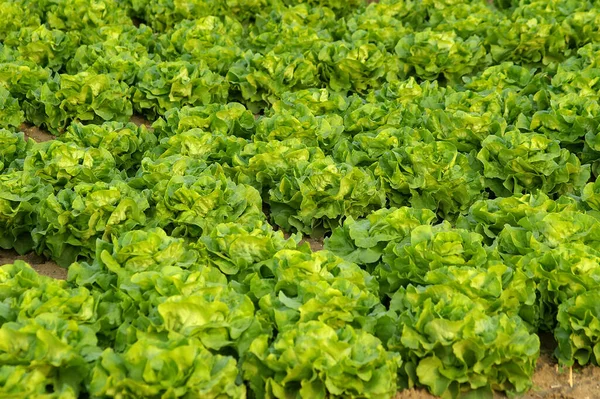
(577, 330)
(166, 369)
(451, 345)
(20, 199)
(70, 221)
(126, 142)
(518, 163)
(313, 360)
(163, 86)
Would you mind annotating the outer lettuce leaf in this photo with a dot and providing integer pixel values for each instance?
(428, 248)
(552, 230)
(312, 360)
(13, 151)
(518, 163)
(562, 274)
(86, 97)
(264, 164)
(210, 39)
(166, 85)
(136, 273)
(432, 54)
(450, 345)
(44, 355)
(591, 195)
(84, 15)
(489, 217)
(259, 79)
(25, 295)
(133, 252)
(164, 289)
(164, 14)
(152, 172)
(569, 119)
(15, 16)
(46, 348)
(356, 66)
(218, 316)
(191, 206)
(501, 289)
(71, 221)
(20, 198)
(577, 330)
(299, 123)
(21, 79)
(315, 101)
(10, 111)
(115, 50)
(363, 240)
(200, 145)
(320, 286)
(506, 75)
(49, 48)
(339, 6)
(468, 118)
(175, 368)
(323, 194)
(67, 164)
(237, 251)
(434, 176)
(379, 23)
(576, 74)
(126, 142)
(227, 119)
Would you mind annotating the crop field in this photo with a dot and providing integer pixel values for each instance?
(299, 199)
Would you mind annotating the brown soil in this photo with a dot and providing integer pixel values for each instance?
(550, 382)
(41, 265)
(316, 244)
(140, 120)
(35, 133)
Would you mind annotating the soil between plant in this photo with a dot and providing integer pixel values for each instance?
(35, 133)
(41, 265)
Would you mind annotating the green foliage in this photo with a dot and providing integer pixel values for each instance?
(152, 367)
(190, 206)
(71, 220)
(20, 198)
(226, 119)
(449, 343)
(13, 150)
(526, 162)
(429, 248)
(363, 241)
(126, 142)
(66, 164)
(49, 48)
(85, 97)
(11, 115)
(314, 360)
(319, 287)
(167, 85)
(447, 151)
(576, 332)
